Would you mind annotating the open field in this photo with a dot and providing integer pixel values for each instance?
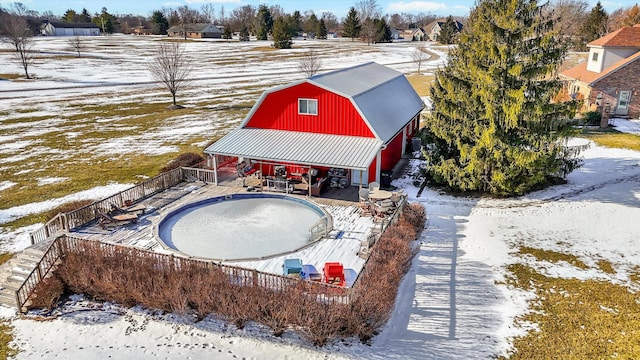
(100, 119)
(554, 274)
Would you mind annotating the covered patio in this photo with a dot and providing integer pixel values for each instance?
(294, 162)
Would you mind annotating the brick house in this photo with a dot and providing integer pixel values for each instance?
(609, 81)
(196, 31)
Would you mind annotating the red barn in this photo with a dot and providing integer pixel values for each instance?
(353, 123)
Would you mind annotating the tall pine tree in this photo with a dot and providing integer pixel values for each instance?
(494, 127)
(352, 25)
(448, 31)
(321, 33)
(264, 23)
(283, 31)
(594, 25)
(159, 23)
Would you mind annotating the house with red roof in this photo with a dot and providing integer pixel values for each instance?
(346, 126)
(609, 81)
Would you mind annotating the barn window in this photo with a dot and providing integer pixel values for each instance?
(308, 106)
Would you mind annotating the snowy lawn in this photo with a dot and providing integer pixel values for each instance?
(458, 301)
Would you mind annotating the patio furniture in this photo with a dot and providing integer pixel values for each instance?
(363, 195)
(377, 195)
(132, 209)
(374, 186)
(334, 273)
(309, 272)
(106, 220)
(292, 267)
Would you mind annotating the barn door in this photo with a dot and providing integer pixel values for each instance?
(623, 103)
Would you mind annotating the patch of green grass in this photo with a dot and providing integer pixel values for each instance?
(4, 257)
(577, 319)
(606, 266)
(634, 274)
(421, 83)
(56, 57)
(612, 138)
(10, 76)
(6, 337)
(553, 256)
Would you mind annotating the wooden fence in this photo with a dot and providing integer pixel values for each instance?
(50, 258)
(237, 276)
(67, 221)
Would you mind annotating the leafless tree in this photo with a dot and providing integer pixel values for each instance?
(221, 18)
(187, 16)
(368, 10)
(419, 55)
(16, 33)
(310, 63)
(77, 44)
(570, 14)
(171, 67)
(208, 12)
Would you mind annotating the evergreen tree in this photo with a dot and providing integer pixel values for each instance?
(321, 33)
(297, 21)
(594, 26)
(105, 21)
(311, 26)
(159, 23)
(264, 23)
(84, 17)
(244, 34)
(382, 31)
(227, 33)
(283, 30)
(69, 16)
(448, 31)
(494, 127)
(351, 26)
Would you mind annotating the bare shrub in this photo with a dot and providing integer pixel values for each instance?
(67, 207)
(188, 159)
(47, 293)
(415, 215)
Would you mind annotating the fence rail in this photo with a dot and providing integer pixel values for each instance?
(235, 275)
(73, 219)
(42, 269)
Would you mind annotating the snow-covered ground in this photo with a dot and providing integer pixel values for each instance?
(451, 304)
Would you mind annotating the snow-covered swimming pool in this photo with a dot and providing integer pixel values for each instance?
(240, 226)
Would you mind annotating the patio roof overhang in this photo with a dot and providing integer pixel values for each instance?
(303, 148)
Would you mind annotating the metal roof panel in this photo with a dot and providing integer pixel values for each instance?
(299, 147)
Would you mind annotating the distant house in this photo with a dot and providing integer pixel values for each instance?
(414, 34)
(196, 31)
(434, 28)
(141, 30)
(55, 28)
(609, 81)
(395, 34)
(351, 125)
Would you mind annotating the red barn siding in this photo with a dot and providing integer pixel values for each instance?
(372, 173)
(392, 154)
(336, 114)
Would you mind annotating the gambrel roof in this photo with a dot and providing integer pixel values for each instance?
(382, 96)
